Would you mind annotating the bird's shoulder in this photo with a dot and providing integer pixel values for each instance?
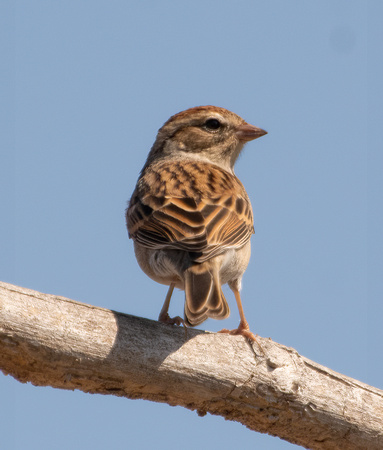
(193, 179)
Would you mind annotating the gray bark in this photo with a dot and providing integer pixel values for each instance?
(54, 341)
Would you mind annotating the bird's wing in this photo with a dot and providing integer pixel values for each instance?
(196, 207)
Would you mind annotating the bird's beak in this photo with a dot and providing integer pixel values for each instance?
(249, 132)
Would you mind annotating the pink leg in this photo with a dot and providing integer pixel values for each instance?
(243, 328)
(164, 316)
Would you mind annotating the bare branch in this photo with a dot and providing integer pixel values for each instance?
(53, 341)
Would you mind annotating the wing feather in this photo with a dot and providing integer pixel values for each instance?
(181, 208)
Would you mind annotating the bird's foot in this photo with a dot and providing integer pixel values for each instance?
(243, 330)
(165, 318)
(239, 331)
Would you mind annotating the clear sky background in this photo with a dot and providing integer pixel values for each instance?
(85, 85)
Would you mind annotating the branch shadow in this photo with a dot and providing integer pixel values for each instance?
(138, 356)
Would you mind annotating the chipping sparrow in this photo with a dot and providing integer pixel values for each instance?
(190, 217)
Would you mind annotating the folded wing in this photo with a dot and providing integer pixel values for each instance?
(203, 212)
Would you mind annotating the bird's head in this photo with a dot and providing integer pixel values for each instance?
(206, 133)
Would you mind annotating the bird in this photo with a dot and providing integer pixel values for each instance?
(190, 217)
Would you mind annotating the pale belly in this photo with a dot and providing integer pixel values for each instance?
(167, 266)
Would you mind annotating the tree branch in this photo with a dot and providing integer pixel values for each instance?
(53, 341)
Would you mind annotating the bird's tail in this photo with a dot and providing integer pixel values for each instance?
(203, 294)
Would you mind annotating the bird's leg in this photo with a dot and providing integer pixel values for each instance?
(164, 316)
(243, 328)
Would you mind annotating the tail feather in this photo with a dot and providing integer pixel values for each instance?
(203, 295)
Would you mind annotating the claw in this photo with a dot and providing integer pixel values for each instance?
(243, 330)
(165, 318)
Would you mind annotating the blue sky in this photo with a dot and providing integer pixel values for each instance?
(85, 87)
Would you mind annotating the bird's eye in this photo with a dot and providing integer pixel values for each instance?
(212, 124)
